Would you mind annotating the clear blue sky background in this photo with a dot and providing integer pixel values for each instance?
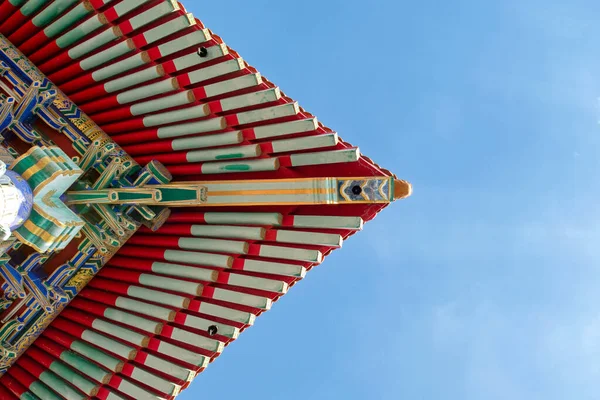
(483, 285)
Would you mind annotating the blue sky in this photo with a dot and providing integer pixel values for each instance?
(485, 283)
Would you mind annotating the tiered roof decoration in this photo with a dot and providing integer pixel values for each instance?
(160, 195)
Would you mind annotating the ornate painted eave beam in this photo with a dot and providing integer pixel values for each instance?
(362, 190)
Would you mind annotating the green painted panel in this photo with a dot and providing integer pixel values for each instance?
(237, 167)
(230, 156)
(178, 194)
(133, 196)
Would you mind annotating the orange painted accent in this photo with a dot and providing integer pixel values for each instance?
(402, 189)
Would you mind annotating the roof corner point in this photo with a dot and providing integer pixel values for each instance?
(402, 189)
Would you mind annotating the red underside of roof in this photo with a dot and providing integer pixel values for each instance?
(136, 256)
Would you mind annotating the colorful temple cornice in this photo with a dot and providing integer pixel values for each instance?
(157, 194)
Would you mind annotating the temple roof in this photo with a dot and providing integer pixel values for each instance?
(165, 88)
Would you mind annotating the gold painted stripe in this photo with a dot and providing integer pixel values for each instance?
(37, 167)
(278, 202)
(234, 192)
(187, 183)
(37, 231)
